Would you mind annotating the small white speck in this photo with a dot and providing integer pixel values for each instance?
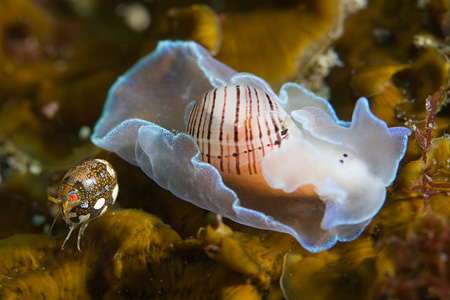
(35, 169)
(38, 220)
(84, 133)
(115, 192)
(50, 109)
(136, 16)
(99, 204)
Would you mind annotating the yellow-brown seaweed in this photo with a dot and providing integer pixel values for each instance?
(126, 254)
(57, 65)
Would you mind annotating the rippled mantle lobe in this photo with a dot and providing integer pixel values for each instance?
(144, 121)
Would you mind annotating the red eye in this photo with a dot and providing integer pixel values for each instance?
(60, 191)
(73, 197)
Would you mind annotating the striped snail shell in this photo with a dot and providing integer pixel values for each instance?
(235, 127)
(86, 192)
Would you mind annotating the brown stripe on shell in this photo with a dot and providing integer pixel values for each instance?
(237, 129)
(222, 121)
(261, 147)
(211, 116)
(201, 128)
(235, 126)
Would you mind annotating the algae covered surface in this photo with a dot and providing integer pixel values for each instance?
(59, 58)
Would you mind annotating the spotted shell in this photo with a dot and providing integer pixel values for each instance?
(85, 193)
(235, 127)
